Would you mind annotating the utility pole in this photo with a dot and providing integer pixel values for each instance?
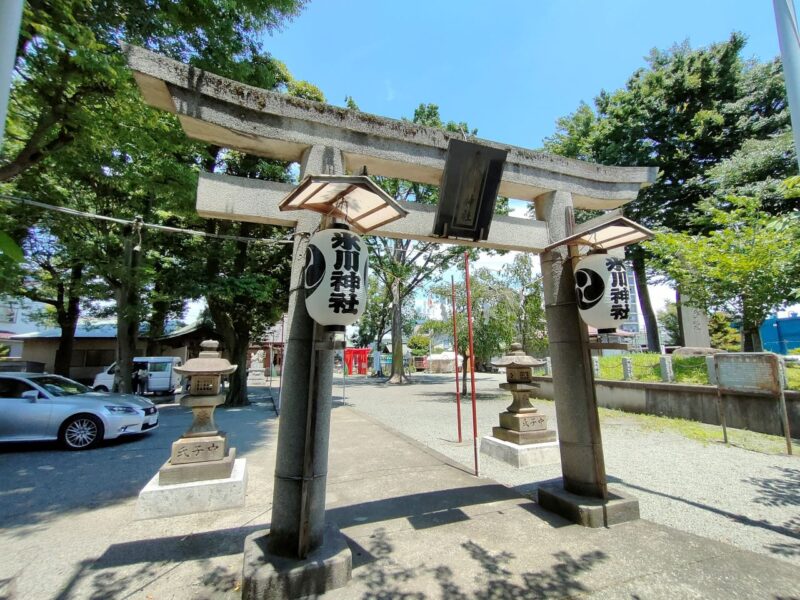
(786, 21)
(10, 19)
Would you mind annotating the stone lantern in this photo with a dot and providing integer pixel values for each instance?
(202, 473)
(202, 452)
(522, 439)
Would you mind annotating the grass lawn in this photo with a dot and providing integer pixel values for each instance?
(687, 369)
(704, 433)
(701, 432)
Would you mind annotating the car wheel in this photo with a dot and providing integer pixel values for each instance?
(101, 388)
(81, 432)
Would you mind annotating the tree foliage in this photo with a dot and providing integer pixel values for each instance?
(245, 283)
(80, 136)
(723, 336)
(685, 112)
(523, 285)
(68, 59)
(493, 320)
(742, 266)
(419, 344)
(507, 307)
(668, 319)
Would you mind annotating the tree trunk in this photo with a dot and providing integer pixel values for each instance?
(650, 323)
(237, 343)
(66, 343)
(463, 373)
(398, 373)
(158, 320)
(751, 339)
(156, 326)
(67, 313)
(233, 324)
(237, 393)
(379, 371)
(127, 297)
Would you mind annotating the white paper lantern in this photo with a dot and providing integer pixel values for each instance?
(601, 284)
(336, 277)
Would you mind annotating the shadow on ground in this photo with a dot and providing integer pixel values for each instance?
(125, 569)
(774, 492)
(384, 578)
(432, 508)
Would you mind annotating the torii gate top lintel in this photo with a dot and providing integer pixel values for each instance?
(231, 114)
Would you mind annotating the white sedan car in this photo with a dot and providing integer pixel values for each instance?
(36, 406)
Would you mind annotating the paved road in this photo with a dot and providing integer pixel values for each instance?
(745, 498)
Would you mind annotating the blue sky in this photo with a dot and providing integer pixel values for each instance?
(509, 68)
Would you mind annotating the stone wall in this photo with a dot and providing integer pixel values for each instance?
(693, 402)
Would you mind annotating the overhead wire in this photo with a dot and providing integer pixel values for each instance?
(138, 223)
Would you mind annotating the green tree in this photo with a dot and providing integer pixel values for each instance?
(129, 162)
(49, 275)
(495, 316)
(375, 322)
(758, 169)
(68, 59)
(245, 282)
(525, 303)
(419, 344)
(668, 318)
(723, 336)
(81, 137)
(740, 267)
(685, 112)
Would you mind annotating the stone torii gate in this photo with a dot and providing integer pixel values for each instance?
(328, 140)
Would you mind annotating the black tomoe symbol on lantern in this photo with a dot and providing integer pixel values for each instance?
(589, 287)
(315, 269)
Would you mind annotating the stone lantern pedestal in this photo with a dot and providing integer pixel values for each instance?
(522, 439)
(202, 452)
(202, 473)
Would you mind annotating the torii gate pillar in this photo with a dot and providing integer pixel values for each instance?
(584, 497)
(300, 556)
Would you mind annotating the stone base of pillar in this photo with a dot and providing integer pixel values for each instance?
(156, 500)
(516, 455)
(266, 576)
(588, 511)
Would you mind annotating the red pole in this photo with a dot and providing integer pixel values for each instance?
(455, 356)
(471, 364)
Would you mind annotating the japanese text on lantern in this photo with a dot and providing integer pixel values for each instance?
(618, 292)
(345, 280)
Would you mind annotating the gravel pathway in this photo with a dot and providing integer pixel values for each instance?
(745, 498)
